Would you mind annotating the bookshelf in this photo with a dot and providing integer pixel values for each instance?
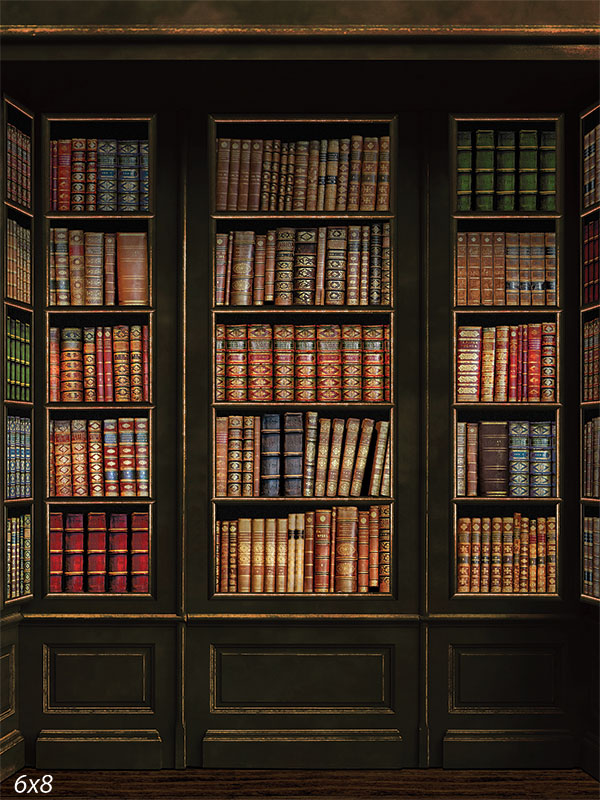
(300, 291)
(16, 352)
(589, 399)
(507, 339)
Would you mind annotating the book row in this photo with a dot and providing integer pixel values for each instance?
(17, 550)
(591, 262)
(320, 457)
(349, 174)
(18, 166)
(342, 549)
(333, 266)
(591, 167)
(87, 556)
(509, 170)
(99, 175)
(18, 262)
(102, 364)
(591, 360)
(97, 458)
(18, 457)
(302, 363)
(506, 554)
(18, 359)
(92, 268)
(506, 269)
(506, 459)
(591, 556)
(507, 363)
(591, 458)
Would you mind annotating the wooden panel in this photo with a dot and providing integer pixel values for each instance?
(7, 682)
(125, 749)
(12, 753)
(514, 749)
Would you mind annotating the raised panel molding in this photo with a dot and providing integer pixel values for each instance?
(103, 679)
(509, 749)
(98, 749)
(12, 753)
(504, 679)
(300, 680)
(7, 682)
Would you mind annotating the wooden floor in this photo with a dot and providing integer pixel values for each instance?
(213, 784)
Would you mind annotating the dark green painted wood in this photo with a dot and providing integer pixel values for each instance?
(131, 749)
(514, 749)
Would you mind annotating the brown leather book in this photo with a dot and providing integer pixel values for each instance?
(353, 265)
(305, 266)
(242, 270)
(348, 457)
(383, 175)
(284, 266)
(322, 457)
(496, 556)
(233, 559)
(382, 429)
(309, 550)
(110, 268)
(275, 168)
(493, 458)
(343, 175)
(387, 469)
(322, 550)
(312, 176)
(472, 459)
(62, 458)
(233, 182)
(96, 457)
(235, 456)
(299, 534)
(222, 182)
(300, 176)
(132, 268)
(221, 242)
(468, 363)
(244, 180)
(487, 269)
(461, 269)
(368, 178)
(374, 547)
(258, 556)
(463, 555)
(293, 452)
(94, 268)
(270, 256)
(346, 550)
(310, 453)
(501, 366)
(77, 268)
(475, 577)
(385, 547)
(356, 145)
(265, 175)
(363, 551)
(291, 553)
(270, 554)
(362, 454)
(331, 174)
(332, 554)
(335, 455)
(260, 363)
(258, 291)
(248, 457)
(351, 363)
(281, 555)
(244, 554)
(220, 372)
(79, 457)
(320, 270)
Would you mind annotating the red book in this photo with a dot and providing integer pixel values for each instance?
(461, 269)
(474, 269)
(140, 547)
(74, 553)
(322, 549)
(309, 551)
(146, 363)
(374, 547)
(95, 457)
(524, 392)
(110, 260)
(62, 458)
(96, 552)
(256, 158)
(54, 175)
(224, 552)
(329, 364)
(234, 175)
(54, 365)
(136, 371)
(111, 458)
(64, 175)
(502, 355)
(55, 551)
(468, 363)
(100, 364)
(513, 362)
(108, 365)
(223, 157)
(363, 550)
(117, 553)
(244, 180)
(534, 361)
(487, 269)
(260, 363)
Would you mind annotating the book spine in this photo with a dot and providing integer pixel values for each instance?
(528, 170)
(63, 196)
(469, 362)
(460, 261)
(346, 560)
(284, 266)
(486, 554)
(95, 457)
(222, 180)
(235, 456)
(55, 552)
(548, 363)
(329, 364)
(464, 163)
(375, 264)
(487, 269)
(111, 458)
(364, 444)
(258, 296)
(310, 453)
(142, 457)
(293, 449)
(257, 566)
(463, 556)
(73, 553)
(270, 555)
(300, 184)
(335, 454)
(335, 266)
(281, 555)
(121, 377)
(260, 363)
(79, 457)
(91, 174)
(322, 550)
(76, 267)
(96, 552)
(275, 168)
(132, 268)
(93, 268)
(265, 179)
(484, 170)
(382, 430)
(236, 363)
(550, 269)
(136, 363)
(373, 368)
(322, 457)
(126, 449)
(502, 364)
(248, 457)
(518, 458)
(534, 362)
(110, 268)
(369, 170)
(496, 556)
(117, 553)
(62, 458)
(385, 548)
(348, 457)
(309, 551)
(331, 175)
(305, 363)
(270, 455)
(475, 576)
(493, 459)
(291, 553)
(505, 170)
(244, 178)
(283, 363)
(312, 175)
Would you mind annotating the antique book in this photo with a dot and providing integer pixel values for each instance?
(310, 453)
(329, 364)
(493, 459)
(270, 455)
(469, 363)
(322, 550)
(293, 450)
(96, 551)
(362, 454)
(117, 553)
(55, 551)
(348, 457)
(73, 553)
(132, 268)
(382, 430)
(335, 454)
(346, 561)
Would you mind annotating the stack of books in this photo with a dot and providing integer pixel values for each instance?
(591, 556)
(590, 262)
(18, 166)
(591, 360)
(18, 262)
(591, 458)
(18, 359)
(18, 457)
(17, 549)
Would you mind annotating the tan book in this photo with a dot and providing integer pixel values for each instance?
(299, 535)
(270, 554)
(244, 552)
(322, 457)
(346, 550)
(348, 457)
(382, 429)
(291, 553)
(281, 555)
(362, 454)
(335, 455)
(463, 555)
(258, 555)
(132, 268)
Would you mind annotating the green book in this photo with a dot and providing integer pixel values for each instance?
(506, 162)
(547, 171)
(528, 170)
(464, 166)
(484, 170)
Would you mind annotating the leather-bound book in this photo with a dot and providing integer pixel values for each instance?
(474, 269)
(322, 550)
(256, 459)
(310, 453)
(534, 362)
(305, 363)
(233, 557)
(522, 392)
(140, 551)
(291, 553)
(551, 554)
(533, 559)
(270, 555)
(299, 535)
(512, 258)
(220, 371)
(305, 266)
(524, 269)
(95, 457)
(111, 458)
(362, 454)
(332, 554)
(468, 363)
(365, 262)
(472, 439)
(260, 363)
(541, 444)
(54, 365)
(270, 455)
(258, 556)
(93, 268)
(62, 458)
(507, 554)
(348, 457)
(518, 458)
(329, 364)
(538, 268)
(513, 362)
(91, 174)
(275, 168)
(284, 266)
(524, 557)
(11, 241)
(373, 368)
(493, 459)
(248, 457)
(244, 179)
(308, 552)
(221, 450)
(353, 201)
(71, 366)
(320, 268)
(461, 459)
(351, 342)
(501, 367)
(235, 456)
(487, 269)
(382, 430)
(346, 550)
(76, 268)
(331, 175)
(222, 584)
(342, 175)
(142, 457)
(110, 268)
(122, 391)
(270, 259)
(374, 547)
(312, 180)
(234, 174)
(283, 363)
(108, 364)
(353, 265)
(383, 175)
(363, 551)
(486, 554)
(460, 266)
(117, 553)
(96, 552)
(53, 174)
(265, 174)
(283, 173)
(463, 555)
(73, 560)
(300, 184)
(368, 177)
(242, 268)
(293, 451)
(236, 363)
(127, 475)
(386, 264)
(64, 175)
(550, 263)
(89, 365)
(222, 181)
(335, 455)
(387, 470)
(499, 269)
(290, 177)
(243, 568)
(79, 457)
(516, 551)
(335, 266)
(496, 556)
(258, 290)
(385, 546)
(61, 265)
(281, 555)
(55, 552)
(475, 554)
(132, 268)
(221, 242)
(322, 457)
(548, 362)
(541, 555)
(136, 366)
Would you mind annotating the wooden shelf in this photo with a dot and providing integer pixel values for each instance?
(17, 501)
(96, 595)
(18, 207)
(492, 500)
(507, 215)
(295, 406)
(590, 210)
(493, 404)
(112, 500)
(99, 309)
(376, 215)
(507, 310)
(24, 403)
(500, 595)
(302, 309)
(296, 500)
(18, 305)
(99, 406)
(297, 595)
(99, 215)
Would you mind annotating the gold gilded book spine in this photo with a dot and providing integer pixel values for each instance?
(541, 554)
(258, 297)
(332, 553)
(275, 167)
(120, 335)
(382, 430)
(96, 457)
(368, 178)
(346, 550)
(127, 465)
(464, 555)
(290, 177)
(335, 266)
(248, 457)
(474, 269)
(94, 268)
(551, 554)
(512, 269)
(348, 457)
(222, 183)
(265, 179)
(386, 264)
(363, 551)
(310, 453)
(538, 269)
(373, 367)
(516, 551)
(228, 268)
(270, 260)
(502, 357)
(488, 365)
(548, 362)
(221, 450)
(244, 554)
(387, 468)
(233, 182)
(374, 547)
(524, 557)
(305, 266)
(385, 547)
(550, 262)
(306, 363)
(320, 267)
(236, 363)
(329, 364)
(300, 176)
(76, 268)
(524, 269)
(299, 558)
(244, 179)
(351, 363)
(472, 451)
(234, 456)
(364, 445)
(71, 366)
(353, 266)
(322, 550)
(383, 175)
(461, 459)
(284, 266)
(356, 146)
(256, 458)
(283, 172)
(487, 269)
(283, 363)
(281, 556)
(375, 264)
(62, 458)
(270, 554)
(533, 559)
(233, 558)
(221, 243)
(220, 370)
(507, 553)
(242, 268)
(461, 269)
(475, 554)
(258, 556)
(365, 260)
(291, 553)
(309, 550)
(313, 175)
(496, 556)
(331, 175)
(335, 456)
(322, 457)
(223, 585)
(89, 365)
(468, 363)
(61, 263)
(136, 365)
(486, 553)
(260, 363)
(79, 457)
(499, 269)
(343, 175)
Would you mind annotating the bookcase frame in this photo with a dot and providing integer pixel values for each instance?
(24, 407)
(527, 313)
(587, 505)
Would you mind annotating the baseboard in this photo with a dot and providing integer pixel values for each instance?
(115, 749)
(509, 749)
(590, 755)
(12, 754)
(308, 748)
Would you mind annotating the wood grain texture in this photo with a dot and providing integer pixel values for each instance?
(215, 784)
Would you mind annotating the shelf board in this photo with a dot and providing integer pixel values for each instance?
(99, 309)
(112, 500)
(15, 501)
(302, 309)
(383, 215)
(94, 595)
(506, 310)
(492, 500)
(298, 595)
(589, 499)
(99, 215)
(99, 406)
(500, 595)
(508, 405)
(595, 306)
(24, 403)
(593, 601)
(590, 210)
(506, 215)
(590, 404)
(20, 599)
(296, 500)
(17, 207)
(18, 304)
(302, 406)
